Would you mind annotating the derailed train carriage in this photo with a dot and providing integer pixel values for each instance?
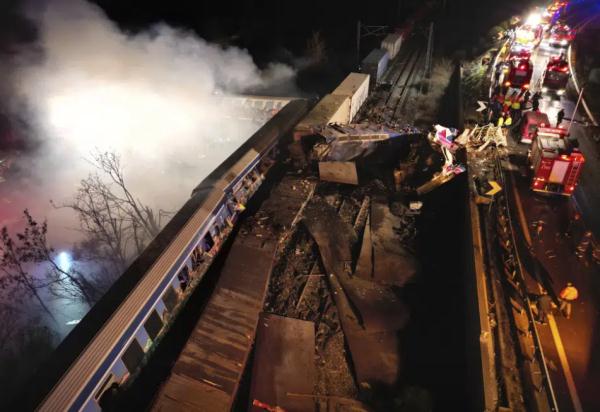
(112, 341)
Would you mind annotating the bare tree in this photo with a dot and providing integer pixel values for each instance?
(29, 250)
(117, 225)
(16, 279)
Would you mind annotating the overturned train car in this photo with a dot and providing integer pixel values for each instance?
(110, 344)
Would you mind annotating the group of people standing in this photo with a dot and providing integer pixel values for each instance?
(507, 108)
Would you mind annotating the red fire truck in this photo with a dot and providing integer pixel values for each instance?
(561, 36)
(556, 76)
(518, 74)
(530, 122)
(519, 52)
(555, 162)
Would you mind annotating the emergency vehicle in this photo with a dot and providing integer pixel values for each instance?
(556, 164)
(560, 36)
(556, 76)
(529, 35)
(518, 74)
(518, 51)
(530, 123)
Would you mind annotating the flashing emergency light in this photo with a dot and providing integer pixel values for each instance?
(534, 19)
(64, 261)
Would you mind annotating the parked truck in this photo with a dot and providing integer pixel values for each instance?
(556, 76)
(530, 122)
(556, 163)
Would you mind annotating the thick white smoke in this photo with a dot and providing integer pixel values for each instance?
(151, 97)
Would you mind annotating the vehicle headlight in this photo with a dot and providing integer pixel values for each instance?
(560, 92)
(564, 42)
(544, 89)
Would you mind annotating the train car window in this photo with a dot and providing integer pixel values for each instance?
(153, 324)
(104, 385)
(208, 241)
(133, 356)
(197, 256)
(108, 398)
(184, 277)
(170, 298)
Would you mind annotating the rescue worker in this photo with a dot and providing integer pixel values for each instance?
(543, 307)
(567, 296)
(526, 98)
(539, 230)
(572, 224)
(559, 117)
(515, 109)
(535, 101)
(497, 111)
(500, 98)
(501, 120)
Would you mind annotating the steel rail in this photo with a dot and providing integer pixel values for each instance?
(539, 351)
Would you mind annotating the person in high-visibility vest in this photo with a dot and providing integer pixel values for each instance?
(515, 109)
(567, 296)
(501, 121)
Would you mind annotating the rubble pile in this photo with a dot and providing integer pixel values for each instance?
(317, 278)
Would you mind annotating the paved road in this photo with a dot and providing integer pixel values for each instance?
(570, 345)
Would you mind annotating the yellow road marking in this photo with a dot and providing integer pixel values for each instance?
(560, 349)
(562, 355)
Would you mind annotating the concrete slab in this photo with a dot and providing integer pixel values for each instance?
(284, 363)
(339, 172)
(393, 264)
(377, 306)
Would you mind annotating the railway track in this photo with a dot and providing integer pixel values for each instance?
(398, 84)
(404, 85)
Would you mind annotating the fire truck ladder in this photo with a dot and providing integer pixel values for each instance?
(574, 172)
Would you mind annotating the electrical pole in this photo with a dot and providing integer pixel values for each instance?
(429, 54)
(575, 111)
(368, 31)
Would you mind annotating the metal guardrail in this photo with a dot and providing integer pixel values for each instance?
(514, 271)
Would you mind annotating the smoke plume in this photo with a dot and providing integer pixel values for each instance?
(151, 97)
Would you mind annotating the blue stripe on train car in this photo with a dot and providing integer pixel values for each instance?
(116, 351)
